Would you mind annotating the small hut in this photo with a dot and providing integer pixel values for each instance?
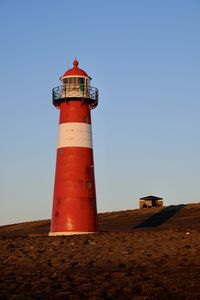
(150, 201)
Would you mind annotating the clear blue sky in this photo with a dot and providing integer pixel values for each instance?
(144, 56)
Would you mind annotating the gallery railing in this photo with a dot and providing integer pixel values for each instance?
(71, 91)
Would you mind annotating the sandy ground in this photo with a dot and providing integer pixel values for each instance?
(138, 254)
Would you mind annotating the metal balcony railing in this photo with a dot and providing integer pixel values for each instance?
(68, 91)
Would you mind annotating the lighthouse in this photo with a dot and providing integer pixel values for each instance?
(74, 200)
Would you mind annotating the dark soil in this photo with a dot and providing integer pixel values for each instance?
(138, 254)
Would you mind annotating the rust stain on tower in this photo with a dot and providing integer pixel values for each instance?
(74, 201)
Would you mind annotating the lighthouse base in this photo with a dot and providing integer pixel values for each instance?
(68, 233)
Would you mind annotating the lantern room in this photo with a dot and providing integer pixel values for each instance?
(75, 86)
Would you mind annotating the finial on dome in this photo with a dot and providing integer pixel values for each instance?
(75, 63)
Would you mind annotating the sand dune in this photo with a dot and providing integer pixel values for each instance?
(175, 216)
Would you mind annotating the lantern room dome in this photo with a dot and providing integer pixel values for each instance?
(75, 71)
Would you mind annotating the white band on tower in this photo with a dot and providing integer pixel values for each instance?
(74, 134)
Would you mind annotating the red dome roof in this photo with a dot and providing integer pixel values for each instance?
(75, 71)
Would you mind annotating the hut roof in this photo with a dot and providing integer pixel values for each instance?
(151, 198)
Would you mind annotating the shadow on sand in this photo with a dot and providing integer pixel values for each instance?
(161, 217)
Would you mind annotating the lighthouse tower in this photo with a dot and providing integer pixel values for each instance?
(74, 201)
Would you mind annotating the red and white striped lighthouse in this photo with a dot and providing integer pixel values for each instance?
(74, 202)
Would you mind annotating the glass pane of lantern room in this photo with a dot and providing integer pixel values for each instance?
(82, 85)
(66, 80)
